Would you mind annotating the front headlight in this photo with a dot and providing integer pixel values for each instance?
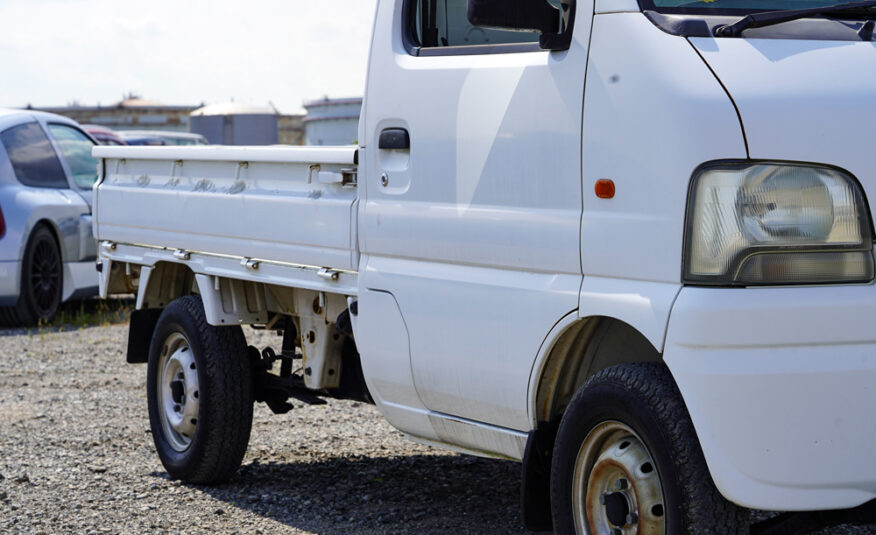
(771, 223)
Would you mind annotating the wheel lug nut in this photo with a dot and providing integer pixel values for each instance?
(622, 484)
(617, 531)
(632, 518)
(177, 408)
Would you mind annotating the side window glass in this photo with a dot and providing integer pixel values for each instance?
(32, 156)
(441, 23)
(76, 149)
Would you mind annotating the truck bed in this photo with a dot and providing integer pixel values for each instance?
(290, 205)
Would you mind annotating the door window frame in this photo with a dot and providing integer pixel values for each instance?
(413, 48)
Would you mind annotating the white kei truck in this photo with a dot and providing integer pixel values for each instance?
(628, 244)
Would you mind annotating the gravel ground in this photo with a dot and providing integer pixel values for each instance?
(76, 456)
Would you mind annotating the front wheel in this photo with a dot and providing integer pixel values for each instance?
(199, 391)
(627, 461)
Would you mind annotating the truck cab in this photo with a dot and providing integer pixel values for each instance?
(626, 243)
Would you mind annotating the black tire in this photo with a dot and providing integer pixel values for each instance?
(212, 451)
(42, 281)
(644, 399)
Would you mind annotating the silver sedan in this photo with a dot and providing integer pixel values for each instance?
(47, 250)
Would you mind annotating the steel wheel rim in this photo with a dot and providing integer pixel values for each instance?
(178, 391)
(616, 488)
(45, 277)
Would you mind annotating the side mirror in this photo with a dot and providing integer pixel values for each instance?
(535, 15)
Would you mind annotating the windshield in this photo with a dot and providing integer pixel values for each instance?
(731, 7)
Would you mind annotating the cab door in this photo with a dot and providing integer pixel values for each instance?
(472, 199)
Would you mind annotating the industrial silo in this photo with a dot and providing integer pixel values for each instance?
(233, 123)
(332, 121)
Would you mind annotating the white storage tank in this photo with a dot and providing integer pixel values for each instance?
(332, 121)
(233, 123)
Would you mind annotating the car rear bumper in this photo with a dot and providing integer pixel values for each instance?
(781, 386)
(9, 282)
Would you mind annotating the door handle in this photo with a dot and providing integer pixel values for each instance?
(394, 138)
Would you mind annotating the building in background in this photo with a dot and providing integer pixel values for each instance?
(290, 129)
(233, 123)
(327, 121)
(332, 121)
(132, 113)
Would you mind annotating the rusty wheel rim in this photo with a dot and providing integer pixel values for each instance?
(616, 487)
(178, 391)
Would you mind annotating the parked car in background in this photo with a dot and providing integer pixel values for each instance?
(140, 138)
(47, 250)
(104, 135)
(169, 138)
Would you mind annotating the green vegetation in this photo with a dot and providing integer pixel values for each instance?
(90, 313)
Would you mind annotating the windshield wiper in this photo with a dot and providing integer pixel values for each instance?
(768, 18)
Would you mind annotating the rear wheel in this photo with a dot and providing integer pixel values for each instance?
(41, 281)
(627, 461)
(199, 391)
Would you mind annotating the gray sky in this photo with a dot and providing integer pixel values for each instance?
(54, 52)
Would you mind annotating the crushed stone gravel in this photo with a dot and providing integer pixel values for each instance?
(76, 456)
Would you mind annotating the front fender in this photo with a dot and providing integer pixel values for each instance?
(644, 305)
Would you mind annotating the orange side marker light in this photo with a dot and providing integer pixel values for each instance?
(604, 188)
